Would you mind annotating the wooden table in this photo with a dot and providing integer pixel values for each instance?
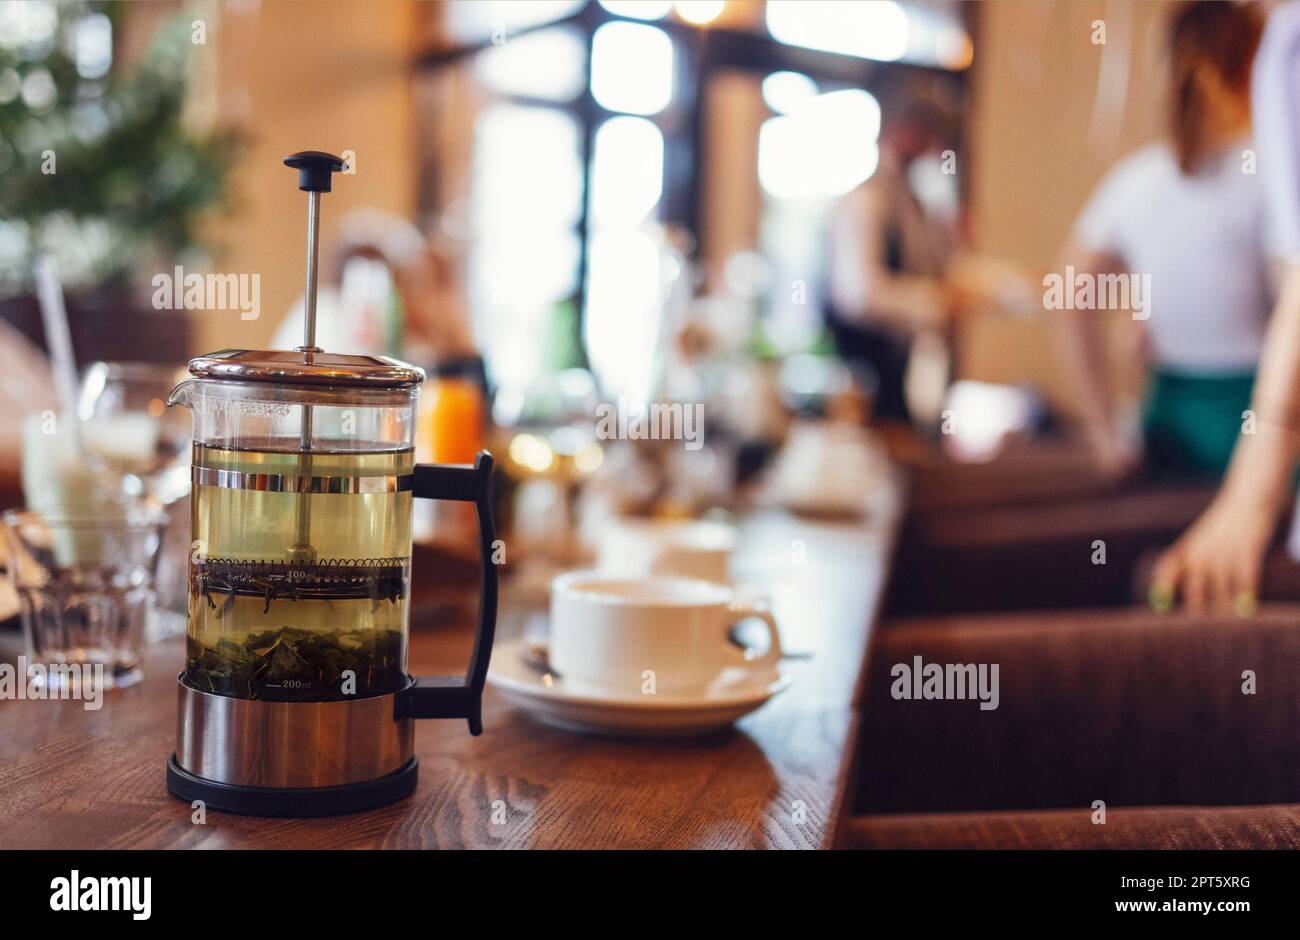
(71, 778)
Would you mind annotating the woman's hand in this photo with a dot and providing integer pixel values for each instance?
(1216, 564)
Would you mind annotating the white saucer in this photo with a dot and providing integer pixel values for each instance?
(567, 705)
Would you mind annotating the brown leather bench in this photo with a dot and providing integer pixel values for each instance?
(1160, 827)
(1142, 711)
(1017, 532)
(1027, 470)
(1038, 554)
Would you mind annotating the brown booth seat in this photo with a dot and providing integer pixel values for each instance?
(1036, 555)
(1027, 470)
(1139, 710)
(1160, 827)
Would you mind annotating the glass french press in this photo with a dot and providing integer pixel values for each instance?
(295, 699)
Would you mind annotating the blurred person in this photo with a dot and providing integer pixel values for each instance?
(887, 258)
(1217, 564)
(1186, 214)
(26, 388)
(391, 293)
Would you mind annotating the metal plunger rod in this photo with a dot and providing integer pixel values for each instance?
(309, 302)
(302, 542)
(313, 253)
(315, 175)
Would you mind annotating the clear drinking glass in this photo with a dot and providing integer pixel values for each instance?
(86, 586)
(126, 422)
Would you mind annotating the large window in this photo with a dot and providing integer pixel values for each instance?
(817, 148)
(525, 207)
(872, 29)
(586, 182)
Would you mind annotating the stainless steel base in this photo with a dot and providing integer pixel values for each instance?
(290, 745)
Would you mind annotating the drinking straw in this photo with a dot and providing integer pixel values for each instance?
(54, 317)
(52, 483)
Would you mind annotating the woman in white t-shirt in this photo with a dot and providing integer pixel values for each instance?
(1182, 224)
(1216, 564)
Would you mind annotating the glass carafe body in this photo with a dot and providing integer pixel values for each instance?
(299, 566)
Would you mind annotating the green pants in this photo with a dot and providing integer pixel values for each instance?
(1193, 422)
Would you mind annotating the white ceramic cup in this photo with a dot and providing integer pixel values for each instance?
(693, 548)
(666, 633)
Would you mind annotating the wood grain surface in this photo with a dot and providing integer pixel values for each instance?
(71, 778)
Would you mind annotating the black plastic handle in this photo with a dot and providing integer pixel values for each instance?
(315, 169)
(454, 696)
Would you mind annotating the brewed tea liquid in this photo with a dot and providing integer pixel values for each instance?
(271, 618)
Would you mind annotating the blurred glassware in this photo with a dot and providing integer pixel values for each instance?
(552, 465)
(808, 383)
(547, 431)
(126, 422)
(86, 588)
(172, 577)
(828, 469)
(451, 426)
(60, 477)
(127, 426)
(554, 398)
(453, 413)
(985, 415)
(693, 548)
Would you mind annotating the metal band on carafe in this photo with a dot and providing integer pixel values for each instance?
(291, 483)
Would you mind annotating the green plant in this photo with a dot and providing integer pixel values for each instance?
(99, 169)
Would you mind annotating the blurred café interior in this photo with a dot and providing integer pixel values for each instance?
(815, 233)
